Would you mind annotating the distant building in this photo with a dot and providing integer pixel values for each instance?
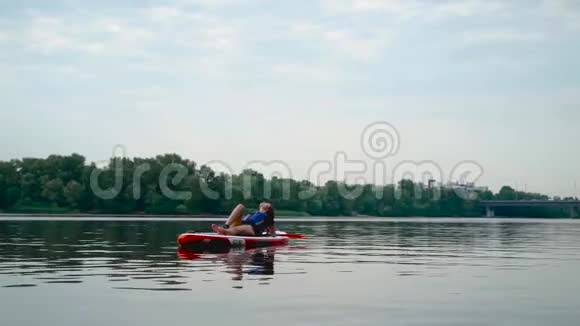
(467, 188)
(432, 183)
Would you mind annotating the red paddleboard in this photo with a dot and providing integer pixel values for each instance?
(212, 241)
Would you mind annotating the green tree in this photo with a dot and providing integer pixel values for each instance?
(53, 191)
(66, 181)
(73, 193)
(506, 193)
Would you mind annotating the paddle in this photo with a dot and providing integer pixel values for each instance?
(294, 236)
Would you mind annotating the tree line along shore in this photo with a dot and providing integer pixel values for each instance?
(65, 185)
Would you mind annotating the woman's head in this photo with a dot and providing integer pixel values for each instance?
(267, 209)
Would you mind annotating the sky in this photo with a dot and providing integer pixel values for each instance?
(495, 83)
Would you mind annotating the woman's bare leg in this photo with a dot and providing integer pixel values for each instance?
(234, 230)
(236, 215)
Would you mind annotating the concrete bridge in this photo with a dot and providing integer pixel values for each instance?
(490, 205)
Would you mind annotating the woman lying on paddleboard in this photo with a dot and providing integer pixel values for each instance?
(250, 225)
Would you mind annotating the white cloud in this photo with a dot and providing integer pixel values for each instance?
(346, 42)
(561, 7)
(500, 36)
(195, 29)
(147, 99)
(55, 70)
(305, 73)
(120, 37)
(406, 9)
(164, 13)
(468, 8)
(566, 11)
(219, 37)
(49, 35)
(45, 34)
(402, 8)
(210, 4)
(364, 49)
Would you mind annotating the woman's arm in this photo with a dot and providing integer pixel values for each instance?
(272, 230)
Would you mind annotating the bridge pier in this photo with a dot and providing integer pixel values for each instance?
(489, 211)
(573, 212)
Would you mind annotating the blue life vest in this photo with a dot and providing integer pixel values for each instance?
(256, 219)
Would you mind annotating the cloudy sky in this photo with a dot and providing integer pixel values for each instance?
(495, 82)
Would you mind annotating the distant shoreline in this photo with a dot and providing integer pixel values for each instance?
(111, 215)
(24, 216)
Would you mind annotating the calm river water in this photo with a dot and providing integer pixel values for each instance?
(354, 272)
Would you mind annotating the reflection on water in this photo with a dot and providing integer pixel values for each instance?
(259, 261)
(485, 261)
(71, 252)
(123, 252)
